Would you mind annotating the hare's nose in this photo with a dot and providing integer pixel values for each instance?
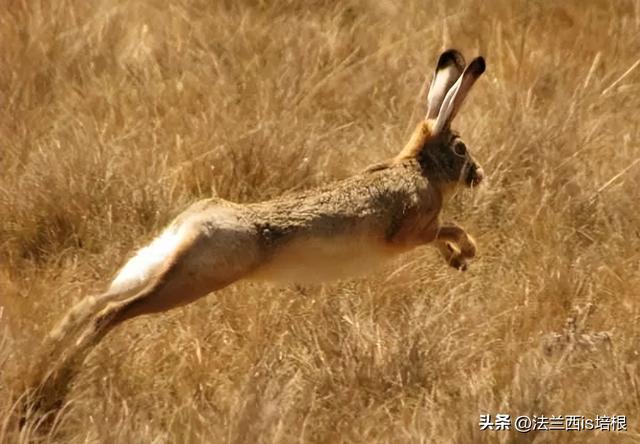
(478, 176)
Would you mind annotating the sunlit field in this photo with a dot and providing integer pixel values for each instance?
(115, 115)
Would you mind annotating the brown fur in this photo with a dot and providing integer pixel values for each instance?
(334, 231)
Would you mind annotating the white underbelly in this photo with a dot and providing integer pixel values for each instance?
(320, 260)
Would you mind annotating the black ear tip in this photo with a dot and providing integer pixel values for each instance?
(478, 65)
(451, 57)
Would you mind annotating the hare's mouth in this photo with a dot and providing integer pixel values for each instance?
(475, 176)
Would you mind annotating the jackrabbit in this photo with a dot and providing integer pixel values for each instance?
(334, 231)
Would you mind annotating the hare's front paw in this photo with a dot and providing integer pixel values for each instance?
(468, 247)
(459, 263)
(458, 259)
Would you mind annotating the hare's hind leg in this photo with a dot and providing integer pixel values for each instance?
(76, 318)
(160, 296)
(210, 258)
(57, 343)
(179, 284)
(204, 260)
(172, 291)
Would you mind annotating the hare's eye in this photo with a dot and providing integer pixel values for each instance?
(460, 149)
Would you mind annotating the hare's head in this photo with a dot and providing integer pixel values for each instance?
(442, 154)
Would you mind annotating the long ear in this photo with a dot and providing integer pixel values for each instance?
(449, 67)
(456, 95)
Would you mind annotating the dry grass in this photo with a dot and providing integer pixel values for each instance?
(115, 115)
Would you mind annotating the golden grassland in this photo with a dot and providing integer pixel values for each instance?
(115, 115)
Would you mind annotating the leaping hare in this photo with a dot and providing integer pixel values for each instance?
(329, 232)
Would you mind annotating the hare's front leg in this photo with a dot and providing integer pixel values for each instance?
(455, 245)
